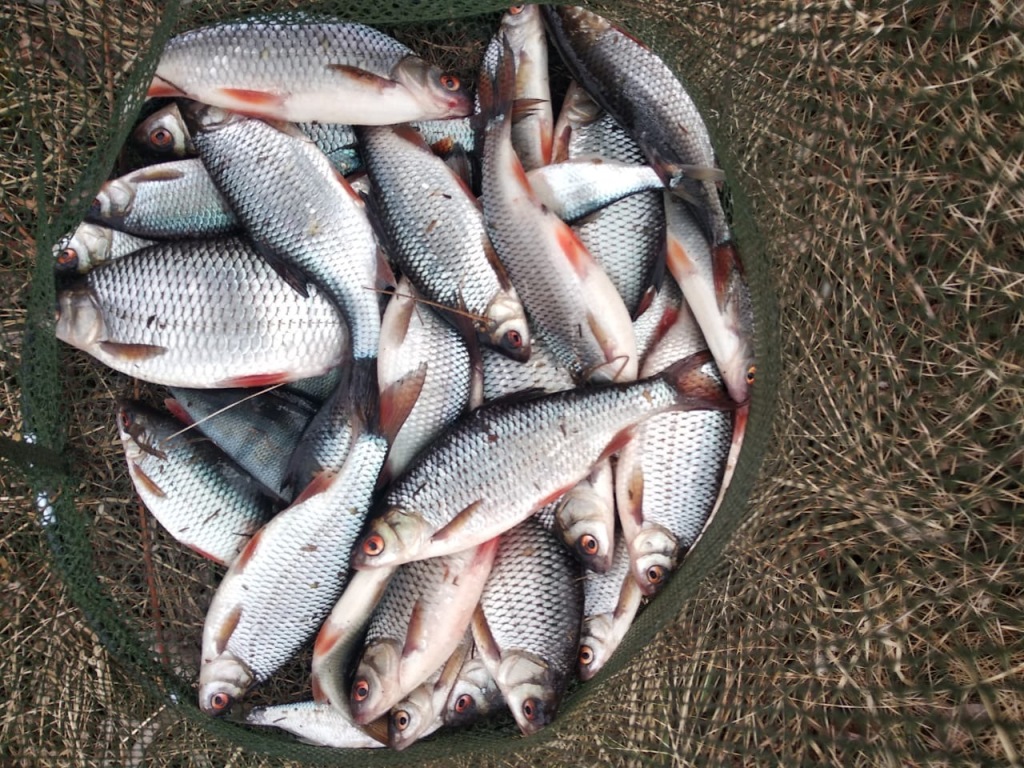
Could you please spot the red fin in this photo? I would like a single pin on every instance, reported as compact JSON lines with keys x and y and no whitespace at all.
{"x":131,"y":352}
{"x":326,"y":639}
{"x":320,"y":483}
{"x":617,"y":443}
{"x":318,"y":693}
{"x":679,"y":262}
{"x":410,"y":134}
{"x":146,"y":481}
{"x":575,"y":251}
{"x":246,"y":554}
{"x":696,"y":389}
{"x":367,"y":78}
{"x":667,"y":320}
{"x":486,"y":645}
{"x":546,"y":143}
{"x":253,"y":98}
{"x":443,"y":146}
{"x":723,"y":259}
{"x":634,"y":508}
{"x":554,"y":496}
{"x":417,"y":634}
{"x":397,"y":401}
{"x":525,"y":107}
{"x":178,"y":411}
{"x":457,"y":524}
{"x":378,"y":729}
{"x":227,"y":628}
{"x":156,"y":173}
{"x":256,"y":380}
{"x":160,"y":88}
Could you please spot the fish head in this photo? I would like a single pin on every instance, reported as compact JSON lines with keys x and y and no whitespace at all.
{"x":520,"y":23}
{"x":653,"y":553}
{"x":134,"y":425}
{"x":439,"y":94}
{"x":412,"y":718}
{"x":587,"y":526}
{"x":474,"y":695}
{"x":203,"y":118}
{"x":390,"y":539}
{"x":737,"y":364}
{"x":531,"y":689}
{"x":164,"y":133}
{"x":114,"y":200}
{"x":82,"y":250}
{"x":596,"y":638}
{"x":222,"y":682}
{"x":375,"y":687}
{"x":79,"y":317}
{"x":506,"y":328}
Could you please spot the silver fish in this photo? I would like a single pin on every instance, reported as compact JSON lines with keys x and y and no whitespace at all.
{"x":667,"y":478}
{"x":580,"y":187}
{"x":433,"y":228}
{"x":717,"y":294}
{"x":259,"y":430}
{"x":527,"y":625}
{"x":165,"y":201}
{"x":523,"y":28}
{"x":657,"y":316}
{"x":304,"y":69}
{"x":544,"y":371}
{"x":314,"y":723}
{"x":150,"y":315}
{"x":420,"y":621}
{"x":412,"y":335}
{"x":91,"y":245}
{"x":567,"y":295}
{"x":461,"y":492}
{"x":196,"y":492}
{"x":610,"y":602}
{"x":284,"y":584}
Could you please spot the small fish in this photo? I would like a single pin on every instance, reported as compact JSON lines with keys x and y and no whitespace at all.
{"x":610,"y":603}
{"x":313,"y":723}
{"x":580,"y":187}
{"x":460,"y":492}
{"x":165,"y":201}
{"x":150,"y":315}
{"x":301,"y":69}
{"x":527,"y":625}
{"x":197,"y":493}
{"x":91,"y":245}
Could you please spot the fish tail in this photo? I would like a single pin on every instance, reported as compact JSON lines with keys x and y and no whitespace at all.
{"x":363,"y":393}
{"x":697,"y":388}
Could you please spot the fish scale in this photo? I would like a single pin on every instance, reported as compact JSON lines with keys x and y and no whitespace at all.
{"x":208,"y":313}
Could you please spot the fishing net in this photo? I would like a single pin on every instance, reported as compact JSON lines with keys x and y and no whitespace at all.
{"x":858,"y":599}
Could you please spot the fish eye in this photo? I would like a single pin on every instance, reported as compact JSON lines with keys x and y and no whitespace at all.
{"x":586,"y":655}
{"x":68,"y":258}
{"x":373,"y":545}
{"x":360,"y":690}
{"x":515,"y":10}
{"x":450,"y":82}
{"x":588,"y":544}
{"x":220,"y":701}
{"x":463,"y":703}
{"x":402,"y":719}
{"x":126,"y":423}
{"x":512,"y":340}
{"x":531,"y":709}
{"x":751,"y":374}
{"x":655,"y":574}
{"x":161,"y":138}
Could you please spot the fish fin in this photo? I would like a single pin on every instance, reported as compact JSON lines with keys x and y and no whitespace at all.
{"x":177,"y":410}
{"x":575,"y":251}
{"x":320,"y":483}
{"x":486,"y":645}
{"x":227,"y":628}
{"x":410,"y":134}
{"x":701,"y":172}
{"x":147,"y":482}
{"x":326,"y":640}
{"x":319,"y":696}
{"x":633,"y":509}
{"x":695,"y":389}
{"x":131,"y":352}
{"x":378,"y":729}
{"x":457,"y":523}
{"x":723,"y":259}
{"x":522,"y":108}
{"x":156,"y":173}
{"x":363,"y":395}
{"x":246,"y":97}
{"x":678,"y":260}
{"x":554,"y":496}
{"x":386,"y":280}
{"x":246,"y":554}
{"x":256,"y":380}
{"x":285,"y":269}
{"x":398,"y":400}
{"x":459,"y":163}
{"x":495,"y":262}
{"x":617,"y":443}
{"x":363,"y":76}
{"x":161,"y":88}
{"x":417,"y":634}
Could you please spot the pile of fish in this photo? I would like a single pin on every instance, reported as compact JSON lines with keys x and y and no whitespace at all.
{"x":434,"y":399}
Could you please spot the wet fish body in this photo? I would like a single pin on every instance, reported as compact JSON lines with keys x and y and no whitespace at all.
{"x":314,"y":723}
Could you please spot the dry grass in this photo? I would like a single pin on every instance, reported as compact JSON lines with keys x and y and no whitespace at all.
{"x":870,"y":612}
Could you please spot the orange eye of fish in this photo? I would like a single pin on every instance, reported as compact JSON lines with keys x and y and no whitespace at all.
{"x":530,"y":709}
{"x":588,"y":544}
{"x":68,"y":258}
{"x":751,"y":374}
{"x":463,"y":703}
{"x":126,"y":423}
{"x":513,"y":340}
{"x":450,"y":82}
{"x":360,"y":690}
{"x":373,"y":545}
{"x":220,"y":701}
{"x":516,"y":9}
{"x":586,"y":655}
{"x":655,"y":574}
{"x":402,"y":720}
{"x":161,"y":138}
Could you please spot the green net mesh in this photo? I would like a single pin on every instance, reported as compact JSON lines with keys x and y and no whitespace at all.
{"x":858,"y":601}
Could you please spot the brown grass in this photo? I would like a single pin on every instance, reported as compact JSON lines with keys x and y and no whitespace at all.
{"x":870,"y":612}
